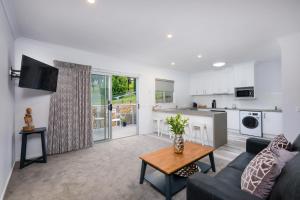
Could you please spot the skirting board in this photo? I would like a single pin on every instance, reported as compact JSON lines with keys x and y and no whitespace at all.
{"x":6,"y":182}
{"x":28,"y":157}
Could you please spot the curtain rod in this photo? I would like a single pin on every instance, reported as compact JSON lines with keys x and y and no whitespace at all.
{"x":112,"y":72}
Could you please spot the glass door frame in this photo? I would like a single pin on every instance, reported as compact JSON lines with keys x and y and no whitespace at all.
{"x":109,"y":75}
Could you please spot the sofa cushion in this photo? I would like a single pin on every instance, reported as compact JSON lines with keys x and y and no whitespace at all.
{"x":296,"y":144}
{"x":241,"y":161}
{"x":231,"y":176}
{"x":288,"y":183}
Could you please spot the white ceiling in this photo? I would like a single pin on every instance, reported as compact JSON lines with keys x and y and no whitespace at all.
{"x":221,"y":30}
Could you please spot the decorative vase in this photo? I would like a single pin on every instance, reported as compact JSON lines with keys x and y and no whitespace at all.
{"x":178,"y":144}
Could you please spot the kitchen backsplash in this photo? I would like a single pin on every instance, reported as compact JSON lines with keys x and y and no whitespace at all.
{"x":268,"y":101}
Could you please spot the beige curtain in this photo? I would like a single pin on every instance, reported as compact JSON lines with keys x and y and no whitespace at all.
{"x":70,"y":124}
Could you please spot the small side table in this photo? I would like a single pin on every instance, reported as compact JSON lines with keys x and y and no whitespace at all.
{"x":42,"y":159}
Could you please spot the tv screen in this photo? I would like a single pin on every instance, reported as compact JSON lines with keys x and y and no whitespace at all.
{"x":37,"y":75}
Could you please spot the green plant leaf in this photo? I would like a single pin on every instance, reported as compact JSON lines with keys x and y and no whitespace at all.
{"x":177,"y":123}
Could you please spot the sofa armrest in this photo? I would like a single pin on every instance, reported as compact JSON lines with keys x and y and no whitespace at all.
{"x":204,"y":187}
{"x":255,"y":145}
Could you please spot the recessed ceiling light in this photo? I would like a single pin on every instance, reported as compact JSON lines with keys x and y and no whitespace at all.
{"x":199,"y":56}
{"x":172,"y":63}
{"x":169,"y":36}
{"x":219,"y":64}
{"x":91,"y":1}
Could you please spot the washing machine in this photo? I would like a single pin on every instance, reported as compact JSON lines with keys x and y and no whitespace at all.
{"x":251,"y":123}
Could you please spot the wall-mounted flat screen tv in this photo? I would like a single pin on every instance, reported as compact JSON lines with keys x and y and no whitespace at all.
{"x":37,"y":75}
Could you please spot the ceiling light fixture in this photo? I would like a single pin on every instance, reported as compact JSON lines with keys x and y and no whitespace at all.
{"x":169,"y":36}
{"x":219,"y":64}
{"x":172,"y":63}
{"x":199,"y":56}
{"x":91,"y":1}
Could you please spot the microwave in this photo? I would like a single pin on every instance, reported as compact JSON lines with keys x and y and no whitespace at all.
{"x":244,"y":92}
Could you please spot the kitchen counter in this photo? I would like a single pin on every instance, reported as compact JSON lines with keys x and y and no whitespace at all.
{"x":247,"y":109}
{"x":215,"y":122}
{"x":190,"y":111}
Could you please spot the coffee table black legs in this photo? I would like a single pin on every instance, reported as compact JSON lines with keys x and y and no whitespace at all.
{"x":143,"y":170}
{"x":168,"y":186}
{"x":212,"y":161}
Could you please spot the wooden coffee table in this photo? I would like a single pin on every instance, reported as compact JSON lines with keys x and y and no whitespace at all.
{"x":166,"y":162}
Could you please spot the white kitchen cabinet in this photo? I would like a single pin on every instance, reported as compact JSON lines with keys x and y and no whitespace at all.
{"x":233,"y":120}
{"x":272,"y":123}
{"x":222,"y":81}
{"x":244,"y":75}
{"x":193,"y":86}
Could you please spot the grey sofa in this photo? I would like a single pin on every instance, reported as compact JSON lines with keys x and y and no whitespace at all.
{"x":226,"y":184}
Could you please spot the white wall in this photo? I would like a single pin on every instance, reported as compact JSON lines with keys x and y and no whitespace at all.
{"x":290,"y":52}
{"x":267,"y":88}
{"x":39,"y":100}
{"x":6,"y":104}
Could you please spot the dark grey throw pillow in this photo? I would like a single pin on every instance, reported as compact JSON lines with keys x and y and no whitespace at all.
{"x":296,"y":144}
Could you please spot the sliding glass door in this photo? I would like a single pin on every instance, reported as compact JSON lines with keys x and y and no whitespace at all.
{"x":124,"y":106}
{"x":100,"y":106}
{"x":114,"y":106}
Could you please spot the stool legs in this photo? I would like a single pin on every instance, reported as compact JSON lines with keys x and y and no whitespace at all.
{"x":158,"y":128}
{"x":205,"y":136}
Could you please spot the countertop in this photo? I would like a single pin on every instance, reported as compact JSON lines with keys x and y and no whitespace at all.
{"x":241,"y":109}
{"x":190,"y":111}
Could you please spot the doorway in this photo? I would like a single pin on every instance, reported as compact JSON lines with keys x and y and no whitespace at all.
{"x":114,"y":106}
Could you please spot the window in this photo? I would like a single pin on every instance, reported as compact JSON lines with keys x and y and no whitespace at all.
{"x":164,"y":90}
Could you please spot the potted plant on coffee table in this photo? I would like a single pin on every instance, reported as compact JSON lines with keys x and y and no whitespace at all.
{"x":177,"y":124}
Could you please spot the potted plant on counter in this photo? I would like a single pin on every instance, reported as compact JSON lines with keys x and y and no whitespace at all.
{"x":177,"y":124}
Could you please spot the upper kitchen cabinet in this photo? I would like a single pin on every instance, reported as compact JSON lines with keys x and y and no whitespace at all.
{"x":201,"y":83}
{"x":222,"y":81}
{"x":244,"y":74}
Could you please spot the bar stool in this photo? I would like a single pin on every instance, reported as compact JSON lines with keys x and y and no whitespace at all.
{"x":158,"y":121}
{"x":199,"y":133}
{"x":166,"y":129}
{"x":188,"y":133}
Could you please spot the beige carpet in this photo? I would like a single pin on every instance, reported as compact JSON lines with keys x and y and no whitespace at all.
{"x":108,"y":171}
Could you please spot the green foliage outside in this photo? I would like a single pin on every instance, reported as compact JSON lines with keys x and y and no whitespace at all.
{"x":119,"y":85}
{"x":177,"y":124}
{"x":123,"y":90}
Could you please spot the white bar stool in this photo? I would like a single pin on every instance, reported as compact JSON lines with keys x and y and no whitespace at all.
{"x":199,"y":133}
{"x":157,"y":128}
{"x":166,"y":129}
{"x":188,"y":133}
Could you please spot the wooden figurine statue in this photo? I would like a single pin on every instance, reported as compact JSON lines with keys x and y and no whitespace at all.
{"x":28,"y":120}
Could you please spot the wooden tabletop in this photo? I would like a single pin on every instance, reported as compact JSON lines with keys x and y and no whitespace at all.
{"x":169,"y":162}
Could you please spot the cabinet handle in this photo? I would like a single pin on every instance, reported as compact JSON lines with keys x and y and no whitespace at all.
{"x":264,"y":115}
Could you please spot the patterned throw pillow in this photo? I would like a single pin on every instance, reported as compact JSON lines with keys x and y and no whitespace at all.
{"x":260,"y":174}
{"x":279,"y":142}
{"x":188,"y":170}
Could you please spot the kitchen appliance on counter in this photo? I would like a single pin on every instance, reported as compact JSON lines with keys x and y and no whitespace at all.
{"x":214,"y":104}
{"x":244,"y":92}
{"x":195,"y":105}
{"x":251,"y":123}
